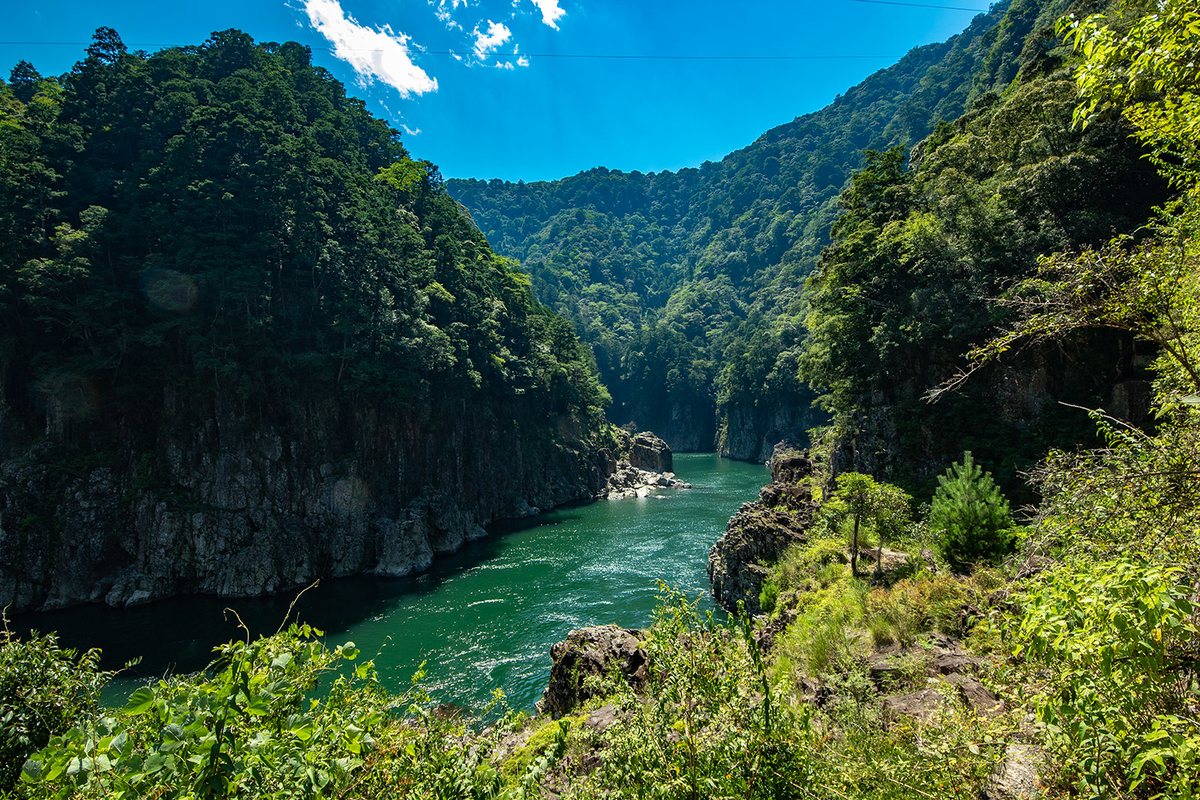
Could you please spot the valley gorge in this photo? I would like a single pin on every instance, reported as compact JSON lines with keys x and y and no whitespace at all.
{"x":321,"y":436}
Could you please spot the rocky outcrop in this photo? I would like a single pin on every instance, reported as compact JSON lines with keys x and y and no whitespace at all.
{"x":188,"y":494}
{"x":650,"y":453}
{"x":760,"y":532}
{"x":644,"y":470}
{"x":592,"y":652}
{"x":629,"y":481}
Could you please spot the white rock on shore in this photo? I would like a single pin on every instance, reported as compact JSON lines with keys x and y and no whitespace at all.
{"x":629,"y":481}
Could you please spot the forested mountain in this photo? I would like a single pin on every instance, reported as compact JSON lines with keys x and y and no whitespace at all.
{"x":921,"y":263}
{"x":235,"y":315}
{"x":689,"y":285}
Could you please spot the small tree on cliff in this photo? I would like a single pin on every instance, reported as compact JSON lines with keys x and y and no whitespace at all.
{"x":970,"y":515}
{"x":891,"y":514}
{"x":882,"y":506}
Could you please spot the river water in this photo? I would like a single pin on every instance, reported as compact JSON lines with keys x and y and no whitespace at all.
{"x":480,"y":619}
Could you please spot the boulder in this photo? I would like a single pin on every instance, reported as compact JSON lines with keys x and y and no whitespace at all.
{"x":596,"y":651}
{"x":650,"y":453}
{"x":885,"y":671}
{"x":945,"y":662}
{"x":1017,"y":775}
{"x":980,"y":699}
{"x":602,"y":717}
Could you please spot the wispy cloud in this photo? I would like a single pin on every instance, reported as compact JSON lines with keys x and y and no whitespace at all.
{"x":375,"y":53}
{"x":410,"y":131}
{"x":551,"y":12}
{"x":522,"y":62}
{"x":486,"y":43}
{"x":444,"y":9}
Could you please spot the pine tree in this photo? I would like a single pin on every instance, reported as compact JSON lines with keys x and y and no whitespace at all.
{"x":970,"y":515}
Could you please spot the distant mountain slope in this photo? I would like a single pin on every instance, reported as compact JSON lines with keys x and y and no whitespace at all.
{"x":688,"y":284}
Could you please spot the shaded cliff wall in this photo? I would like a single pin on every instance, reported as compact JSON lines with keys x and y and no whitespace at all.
{"x":1008,"y":414}
{"x":752,"y":425}
{"x":132,"y":502}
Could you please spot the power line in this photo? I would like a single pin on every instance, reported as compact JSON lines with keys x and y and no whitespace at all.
{"x":464,"y":53}
{"x":635,"y":56}
{"x":922,"y":5}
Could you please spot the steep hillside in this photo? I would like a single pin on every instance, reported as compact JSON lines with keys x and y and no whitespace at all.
{"x":688,"y":284}
{"x":246,"y":341}
{"x":922,"y":266}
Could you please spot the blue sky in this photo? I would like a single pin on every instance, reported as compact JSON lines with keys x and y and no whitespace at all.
{"x":477,"y":88}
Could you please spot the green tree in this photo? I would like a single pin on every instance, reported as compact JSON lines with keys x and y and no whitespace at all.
{"x":892,"y":514}
{"x":883,"y":507}
{"x":1148,"y":71}
{"x":970,"y":515}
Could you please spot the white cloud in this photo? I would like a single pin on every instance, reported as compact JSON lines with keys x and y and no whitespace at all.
{"x":505,"y":65}
{"x":375,"y":53}
{"x":410,"y":131}
{"x":444,"y":10}
{"x":485,"y":43}
{"x":551,"y":13}
{"x":522,"y":62}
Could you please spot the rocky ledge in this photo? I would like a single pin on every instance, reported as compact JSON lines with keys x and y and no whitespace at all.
{"x":759,"y":532}
{"x":645,"y":470}
{"x":592,"y":652}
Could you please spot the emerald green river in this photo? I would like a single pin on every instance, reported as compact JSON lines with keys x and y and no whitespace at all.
{"x":480,"y":619}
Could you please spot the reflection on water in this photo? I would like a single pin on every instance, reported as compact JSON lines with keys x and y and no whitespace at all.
{"x":480,"y":619}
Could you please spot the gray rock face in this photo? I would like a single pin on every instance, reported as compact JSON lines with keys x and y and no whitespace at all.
{"x":687,"y":424}
{"x":199,"y":495}
{"x":650,"y":453}
{"x":760,"y":532}
{"x":751,"y":427}
{"x":644,"y":469}
{"x":588,"y":652}
{"x":922,"y":705}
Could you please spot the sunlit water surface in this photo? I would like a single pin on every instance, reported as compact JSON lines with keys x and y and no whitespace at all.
{"x":480,"y":619}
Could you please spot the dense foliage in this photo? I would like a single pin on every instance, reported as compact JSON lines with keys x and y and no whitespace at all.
{"x":1111,"y":627}
{"x":224,"y":218}
{"x":44,"y":691}
{"x":699,"y":271}
{"x":1092,"y":626}
{"x":920,"y":255}
{"x":720,"y":721}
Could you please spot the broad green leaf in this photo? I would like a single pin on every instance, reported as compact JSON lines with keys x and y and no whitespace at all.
{"x":140,"y":701}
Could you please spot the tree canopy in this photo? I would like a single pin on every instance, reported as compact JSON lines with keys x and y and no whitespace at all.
{"x":224,"y":217}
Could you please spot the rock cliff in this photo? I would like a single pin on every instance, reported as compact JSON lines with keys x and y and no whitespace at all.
{"x":759,"y":532}
{"x":750,"y":425}
{"x":194,"y":495}
{"x":650,"y":453}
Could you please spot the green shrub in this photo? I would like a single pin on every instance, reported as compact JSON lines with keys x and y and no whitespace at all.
{"x":44,"y":690}
{"x":970,"y":516}
{"x":768,"y":596}
{"x":829,"y":630}
{"x":913,"y":607}
{"x":1119,"y":641}
{"x":253,"y":726}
